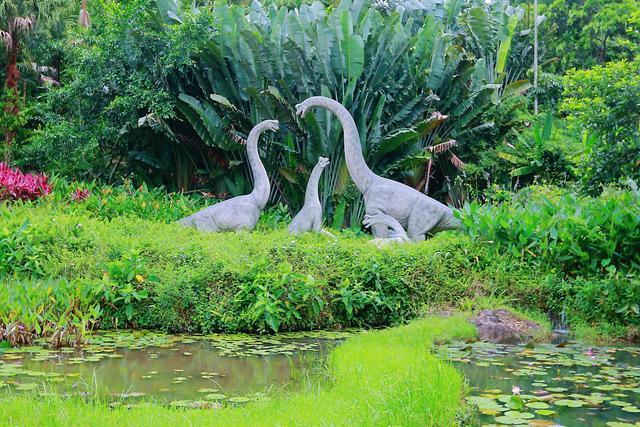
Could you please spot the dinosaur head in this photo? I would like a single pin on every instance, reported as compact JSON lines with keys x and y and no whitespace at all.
{"x":272,"y":125}
{"x":301,"y":109}
{"x":323,"y":162}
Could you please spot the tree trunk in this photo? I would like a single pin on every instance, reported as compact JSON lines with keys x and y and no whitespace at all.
{"x":11,"y":85}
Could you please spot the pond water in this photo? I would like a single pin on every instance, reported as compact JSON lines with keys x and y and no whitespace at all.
{"x":180,"y":370}
{"x":551,"y":385}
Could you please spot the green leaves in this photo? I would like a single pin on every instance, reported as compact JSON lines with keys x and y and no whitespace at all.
{"x":206,"y":121}
{"x":386,"y":70}
{"x":353,"y":56}
{"x":578,"y":234}
{"x":505,"y":45}
{"x":282,"y":298}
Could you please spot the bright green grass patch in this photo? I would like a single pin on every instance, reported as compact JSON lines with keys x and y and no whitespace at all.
{"x":385,"y":377}
{"x":146,"y":274}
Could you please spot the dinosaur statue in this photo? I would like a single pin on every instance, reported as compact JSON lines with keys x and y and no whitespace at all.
{"x":310,"y":216}
{"x":242,"y":212}
{"x":399,"y":235}
{"x":418,"y":213}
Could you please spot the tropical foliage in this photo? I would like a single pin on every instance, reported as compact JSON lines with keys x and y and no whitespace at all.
{"x":15,"y":185}
{"x":602,"y":104}
{"x":177,"y":104}
{"x":578,"y":234}
{"x":584,"y":33}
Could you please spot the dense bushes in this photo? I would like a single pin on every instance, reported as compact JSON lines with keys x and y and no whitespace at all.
{"x":108,"y":202}
{"x":593,"y":244}
{"x":580,"y":235}
{"x":116,"y":256}
{"x":602,"y":105}
{"x":165,"y":92}
{"x":153,"y":275}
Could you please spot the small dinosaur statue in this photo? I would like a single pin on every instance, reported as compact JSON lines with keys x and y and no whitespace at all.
{"x":310,"y":216}
{"x":241,"y":212}
{"x":418,"y":213}
{"x":399,"y":235}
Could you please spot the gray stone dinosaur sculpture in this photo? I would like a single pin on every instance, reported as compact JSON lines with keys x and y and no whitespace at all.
{"x":310,"y":216}
{"x":399,"y":235}
{"x":416,"y":212}
{"x":242,"y":212}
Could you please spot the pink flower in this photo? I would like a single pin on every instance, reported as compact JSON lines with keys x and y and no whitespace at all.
{"x":516,"y":390}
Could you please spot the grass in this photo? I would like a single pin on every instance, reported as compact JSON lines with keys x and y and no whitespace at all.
{"x":384,"y":377}
{"x":604,"y":333}
{"x":196,"y":282}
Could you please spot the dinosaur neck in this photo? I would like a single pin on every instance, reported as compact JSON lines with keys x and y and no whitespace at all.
{"x":261,"y":186}
{"x":311,"y":195}
{"x":358,"y":169}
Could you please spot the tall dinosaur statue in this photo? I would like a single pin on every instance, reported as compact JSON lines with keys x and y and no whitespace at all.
{"x":242,"y":212}
{"x":399,"y":236}
{"x":418,"y":213}
{"x":310,"y":216}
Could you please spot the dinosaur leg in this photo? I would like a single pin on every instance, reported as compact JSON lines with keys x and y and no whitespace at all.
{"x":380,"y":231}
{"x":418,"y":225}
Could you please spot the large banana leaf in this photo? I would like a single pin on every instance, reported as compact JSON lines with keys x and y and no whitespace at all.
{"x":391,"y":69}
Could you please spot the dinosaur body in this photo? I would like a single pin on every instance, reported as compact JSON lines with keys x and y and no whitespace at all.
{"x":242,"y":212}
{"x":310,"y":216}
{"x":416,"y":212}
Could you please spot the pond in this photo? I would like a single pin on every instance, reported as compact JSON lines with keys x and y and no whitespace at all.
{"x":202,"y":371}
{"x":551,"y":385}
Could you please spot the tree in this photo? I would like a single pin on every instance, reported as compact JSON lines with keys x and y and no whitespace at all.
{"x":17,"y":19}
{"x":602,"y":103}
{"x":591,"y":32}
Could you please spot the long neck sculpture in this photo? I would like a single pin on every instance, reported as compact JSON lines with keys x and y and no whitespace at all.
{"x":261,"y":186}
{"x":358,"y":169}
{"x":311,"y":195}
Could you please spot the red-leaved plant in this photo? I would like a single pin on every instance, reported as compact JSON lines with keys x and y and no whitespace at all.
{"x":16,"y":185}
{"x":80,"y":194}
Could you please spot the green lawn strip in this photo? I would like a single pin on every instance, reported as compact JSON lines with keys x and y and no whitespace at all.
{"x":384,"y":377}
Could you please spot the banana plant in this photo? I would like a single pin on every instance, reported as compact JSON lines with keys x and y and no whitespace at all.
{"x":393,"y":69}
{"x":528,"y":155}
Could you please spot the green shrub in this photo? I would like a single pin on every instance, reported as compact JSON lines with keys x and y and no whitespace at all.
{"x":541,"y":249}
{"x":59,"y":309}
{"x":152,"y":275}
{"x":20,"y":251}
{"x":108,"y":202}
{"x":578,"y":235}
{"x":603,"y":103}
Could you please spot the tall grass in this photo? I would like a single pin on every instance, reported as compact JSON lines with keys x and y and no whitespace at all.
{"x":385,"y":377}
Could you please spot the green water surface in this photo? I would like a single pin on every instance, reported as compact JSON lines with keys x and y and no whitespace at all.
{"x":551,"y":385}
{"x":174,"y":369}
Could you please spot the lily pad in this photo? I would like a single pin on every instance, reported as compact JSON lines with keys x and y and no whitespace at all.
{"x":510,"y":420}
{"x":518,"y":414}
{"x":215,"y":396}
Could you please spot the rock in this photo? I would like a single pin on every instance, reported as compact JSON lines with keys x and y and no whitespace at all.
{"x":503,"y":327}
